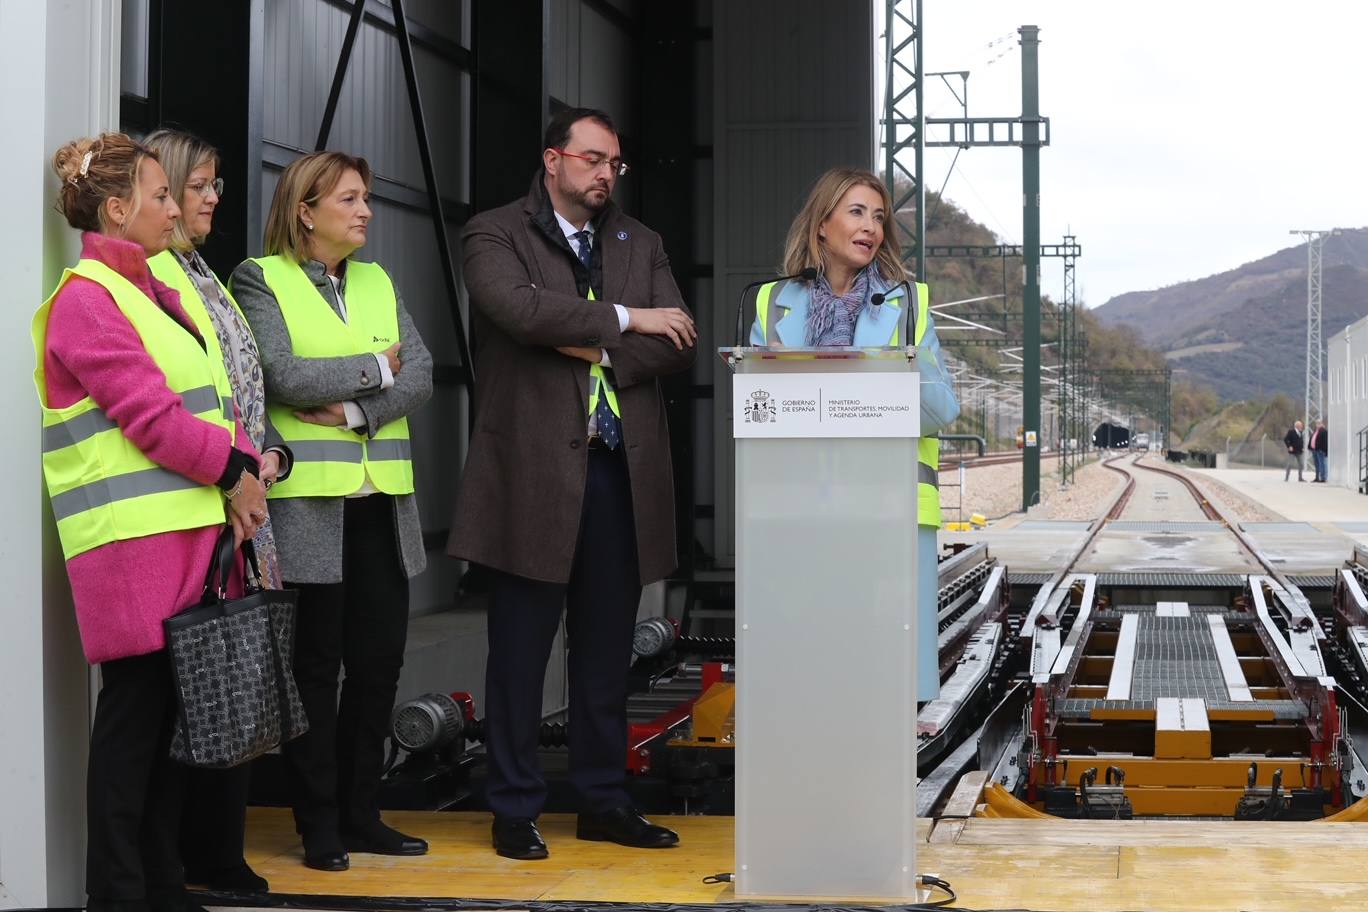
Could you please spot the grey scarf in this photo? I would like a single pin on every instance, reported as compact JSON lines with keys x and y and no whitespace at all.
{"x":831,"y":317}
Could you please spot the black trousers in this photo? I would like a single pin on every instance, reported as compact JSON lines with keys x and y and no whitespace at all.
{"x":600,"y":601}
{"x":134,"y":788}
{"x":359,"y":625}
{"x":214,"y":818}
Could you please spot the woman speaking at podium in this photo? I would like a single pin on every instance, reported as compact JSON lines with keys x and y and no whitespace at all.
{"x":847,"y":287}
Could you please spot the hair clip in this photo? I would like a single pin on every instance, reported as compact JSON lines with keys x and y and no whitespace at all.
{"x":85,"y":163}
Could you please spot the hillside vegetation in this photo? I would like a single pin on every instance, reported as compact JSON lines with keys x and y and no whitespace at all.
{"x":1109,"y":347}
{"x":1242,"y":332}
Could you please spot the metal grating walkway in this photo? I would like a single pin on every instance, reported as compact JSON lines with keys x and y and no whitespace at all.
{"x":1160,"y":580}
{"x":1175,"y":656}
{"x":1135,"y":525}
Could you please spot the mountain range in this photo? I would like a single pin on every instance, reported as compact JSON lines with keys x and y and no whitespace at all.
{"x":1243,"y":332}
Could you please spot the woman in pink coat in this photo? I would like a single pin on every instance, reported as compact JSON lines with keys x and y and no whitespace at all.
{"x":128,"y":576}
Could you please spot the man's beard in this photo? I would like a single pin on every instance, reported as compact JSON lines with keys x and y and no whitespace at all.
{"x":583,"y":198}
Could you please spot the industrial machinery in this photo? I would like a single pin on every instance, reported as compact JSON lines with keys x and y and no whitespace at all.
{"x":1082,"y":693}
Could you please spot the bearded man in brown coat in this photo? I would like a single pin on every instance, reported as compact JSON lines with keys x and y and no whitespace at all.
{"x":567,"y":495}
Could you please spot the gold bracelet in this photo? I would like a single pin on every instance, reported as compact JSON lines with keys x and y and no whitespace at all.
{"x":235,"y":490}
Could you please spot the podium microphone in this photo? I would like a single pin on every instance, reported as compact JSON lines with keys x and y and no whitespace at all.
{"x":909,"y":321}
{"x":807,"y":275}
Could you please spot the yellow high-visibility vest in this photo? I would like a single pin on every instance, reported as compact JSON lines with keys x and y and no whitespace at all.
{"x":334,"y":461}
{"x":598,"y":380}
{"x":170,"y":272}
{"x":103,"y":488}
{"x":928,"y":448}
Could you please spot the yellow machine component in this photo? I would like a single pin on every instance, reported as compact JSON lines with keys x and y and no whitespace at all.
{"x":1354,"y":813}
{"x":1181,"y":729}
{"x":976,"y":521}
{"x":998,"y":802}
{"x":713,"y":719}
{"x":1193,"y":786}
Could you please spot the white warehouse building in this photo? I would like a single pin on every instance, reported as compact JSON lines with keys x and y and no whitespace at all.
{"x":1346,"y":407}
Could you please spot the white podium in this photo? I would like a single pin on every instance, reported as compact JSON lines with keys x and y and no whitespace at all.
{"x":826,"y":573}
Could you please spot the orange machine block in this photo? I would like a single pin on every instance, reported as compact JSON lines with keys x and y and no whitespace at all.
{"x":1181,"y":729}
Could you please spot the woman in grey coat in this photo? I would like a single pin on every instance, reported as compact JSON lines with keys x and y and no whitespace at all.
{"x":344,"y":366}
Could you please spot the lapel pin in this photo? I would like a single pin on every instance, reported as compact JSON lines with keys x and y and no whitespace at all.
{"x":622,"y":235}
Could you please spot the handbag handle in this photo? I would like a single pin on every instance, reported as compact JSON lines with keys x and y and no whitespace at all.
{"x":221,"y":564}
{"x":249,"y":563}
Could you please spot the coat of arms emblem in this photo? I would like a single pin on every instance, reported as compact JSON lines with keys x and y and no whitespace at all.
{"x":760,"y":409}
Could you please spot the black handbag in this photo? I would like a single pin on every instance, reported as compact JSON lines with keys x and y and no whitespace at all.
{"x":232,"y":668}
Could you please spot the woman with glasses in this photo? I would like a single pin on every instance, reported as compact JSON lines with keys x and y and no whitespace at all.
{"x":216,"y":800}
{"x":331,"y":330}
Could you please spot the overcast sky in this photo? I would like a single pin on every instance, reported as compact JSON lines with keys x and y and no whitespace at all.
{"x":1186,"y":138}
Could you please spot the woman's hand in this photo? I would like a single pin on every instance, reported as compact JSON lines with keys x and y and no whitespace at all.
{"x":247,"y":508}
{"x":330,"y":415}
{"x":270,"y":467}
{"x":392,"y":356}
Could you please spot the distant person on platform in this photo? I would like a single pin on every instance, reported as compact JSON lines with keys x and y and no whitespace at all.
{"x":1320,"y":450}
{"x":845,"y":233}
{"x":1293,"y":442}
{"x":568,"y":494}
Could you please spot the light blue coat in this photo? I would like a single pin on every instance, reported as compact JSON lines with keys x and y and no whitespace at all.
{"x":786,"y":325}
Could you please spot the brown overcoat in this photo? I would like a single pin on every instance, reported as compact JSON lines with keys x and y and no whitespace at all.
{"x":519,"y":504}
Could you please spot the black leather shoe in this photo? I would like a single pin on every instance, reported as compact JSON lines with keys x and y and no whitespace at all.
{"x":377,"y":839}
{"x":625,"y":827}
{"x":325,"y":852}
{"x":518,"y":837}
{"x":239,"y":878}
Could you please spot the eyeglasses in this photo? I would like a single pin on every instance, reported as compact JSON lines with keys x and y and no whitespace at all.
{"x":616,"y":165}
{"x":204,"y":187}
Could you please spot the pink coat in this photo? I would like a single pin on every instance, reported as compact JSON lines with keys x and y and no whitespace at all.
{"x":125,"y":589}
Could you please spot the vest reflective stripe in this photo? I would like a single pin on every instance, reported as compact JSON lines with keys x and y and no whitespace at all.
{"x":327,"y":450}
{"x":333,"y":461}
{"x":102,"y":487}
{"x":389,"y":449}
{"x":72,"y":431}
{"x":926,"y":474}
{"x":598,"y":379}
{"x":106,"y":491}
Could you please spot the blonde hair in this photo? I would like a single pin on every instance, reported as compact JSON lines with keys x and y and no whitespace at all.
{"x":180,"y":153}
{"x":804,"y":249}
{"x":307,"y":180}
{"x":95,"y":169}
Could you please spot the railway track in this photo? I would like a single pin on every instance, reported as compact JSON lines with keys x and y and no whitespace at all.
{"x":973,"y":462}
{"x":1106,"y":658}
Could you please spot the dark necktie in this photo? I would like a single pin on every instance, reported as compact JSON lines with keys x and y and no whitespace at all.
{"x":608,"y":427}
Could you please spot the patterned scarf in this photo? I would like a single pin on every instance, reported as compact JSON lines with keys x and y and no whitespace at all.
{"x":242,"y":361}
{"x":831,"y":317}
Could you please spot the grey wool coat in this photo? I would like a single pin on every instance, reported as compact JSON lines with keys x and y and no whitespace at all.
{"x":520,"y":499}
{"x":308,"y":530}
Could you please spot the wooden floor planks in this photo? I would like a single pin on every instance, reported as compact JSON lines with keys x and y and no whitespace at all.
{"x":1097,"y":866}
